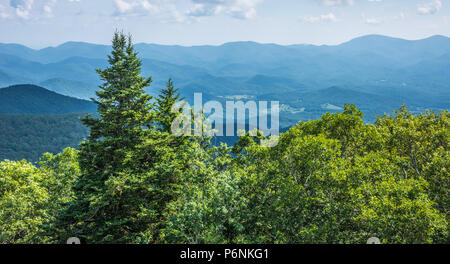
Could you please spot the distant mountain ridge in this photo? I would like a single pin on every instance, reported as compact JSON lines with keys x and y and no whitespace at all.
{"x":32,"y":99}
{"x":415,"y":72}
{"x":377,"y":73}
{"x":203,"y":52}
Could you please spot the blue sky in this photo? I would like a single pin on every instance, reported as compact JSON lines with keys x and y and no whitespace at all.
{"x":41,"y":23}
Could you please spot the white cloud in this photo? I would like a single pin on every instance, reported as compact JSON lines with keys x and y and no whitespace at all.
{"x":22,"y":7}
{"x":200,"y":10}
{"x":3,"y":13}
{"x":429,"y":8}
{"x":336,"y":2}
{"x":401,"y":16}
{"x":123,"y":6}
{"x":164,"y":11}
{"x":241,"y":9}
{"x":136,"y":7}
{"x":48,"y":8}
{"x":32,"y":9}
{"x":373,"y":21}
{"x":322,"y":18}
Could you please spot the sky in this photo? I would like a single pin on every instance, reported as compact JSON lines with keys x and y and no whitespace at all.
{"x":43,"y":23}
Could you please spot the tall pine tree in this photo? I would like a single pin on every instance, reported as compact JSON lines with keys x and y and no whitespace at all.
{"x":128,"y":172}
{"x":166,"y":100}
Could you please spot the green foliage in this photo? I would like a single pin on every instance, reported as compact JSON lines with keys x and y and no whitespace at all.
{"x":128,"y":169}
{"x":22,"y":202}
{"x":28,"y":136}
{"x":31,"y":196}
{"x":332,"y":180}
{"x":392,"y":206}
{"x":165,"y":102}
{"x":210,"y":209}
{"x":62,"y":170}
{"x":390,"y":180}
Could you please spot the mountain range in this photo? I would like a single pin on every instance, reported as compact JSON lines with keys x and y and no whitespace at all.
{"x":46,"y":90}
{"x":378,"y":73}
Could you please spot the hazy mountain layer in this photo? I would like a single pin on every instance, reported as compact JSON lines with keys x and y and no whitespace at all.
{"x":376,"y":72}
{"x":31,"y":99}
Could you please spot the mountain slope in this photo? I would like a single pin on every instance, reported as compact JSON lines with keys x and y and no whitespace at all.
{"x":402,"y":52}
{"x":32,"y":99}
{"x":28,"y":136}
{"x":244,"y":52}
{"x":5,"y":78}
{"x":55,"y":54}
{"x":71,"y":88}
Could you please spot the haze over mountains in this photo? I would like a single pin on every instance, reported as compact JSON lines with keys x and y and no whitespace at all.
{"x":377,"y":73}
{"x":31,"y":99}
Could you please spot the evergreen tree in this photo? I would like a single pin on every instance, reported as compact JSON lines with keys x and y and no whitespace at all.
{"x":166,"y":100}
{"x":120,"y":195}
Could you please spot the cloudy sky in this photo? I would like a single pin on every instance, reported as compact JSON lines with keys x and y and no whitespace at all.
{"x":40,"y":23}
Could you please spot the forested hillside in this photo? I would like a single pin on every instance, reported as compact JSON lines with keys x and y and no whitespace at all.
{"x":31,"y":99}
{"x":29,"y":136}
{"x":34,"y":120}
{"x":336,"y":179}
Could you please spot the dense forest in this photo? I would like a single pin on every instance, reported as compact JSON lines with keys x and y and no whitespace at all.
{"x":34,"y":120}
{"x":331,"y":180}
{"x":28,"y":136}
